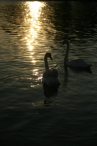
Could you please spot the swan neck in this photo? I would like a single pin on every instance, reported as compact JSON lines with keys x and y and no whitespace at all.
{"x":66,"y":56}
{"x":46,"y":63}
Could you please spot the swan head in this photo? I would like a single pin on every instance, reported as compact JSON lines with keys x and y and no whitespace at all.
{"x":65,"y":42}
{"x":48,"y":55}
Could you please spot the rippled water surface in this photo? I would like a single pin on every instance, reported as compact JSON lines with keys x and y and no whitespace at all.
{"x":27,"y":31}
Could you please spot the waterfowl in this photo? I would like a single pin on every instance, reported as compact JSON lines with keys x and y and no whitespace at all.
{"x":76,"y":63}
{"x":50,"y":76}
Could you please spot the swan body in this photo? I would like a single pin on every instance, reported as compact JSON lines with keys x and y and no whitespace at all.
{"x":51,"y":81}
{"x":50,"y":77}
{"x":77,"y":63}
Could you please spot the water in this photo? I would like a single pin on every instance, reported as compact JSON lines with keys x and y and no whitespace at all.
{"x":27,"y":31}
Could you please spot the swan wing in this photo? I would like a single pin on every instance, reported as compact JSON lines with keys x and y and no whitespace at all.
{"x":54,"y":73}
{"x":78,"y":63}
{"x":47,"y":73}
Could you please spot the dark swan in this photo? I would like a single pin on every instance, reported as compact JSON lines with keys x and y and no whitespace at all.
{"x":50,"y":77}
{"x":76,"y":63}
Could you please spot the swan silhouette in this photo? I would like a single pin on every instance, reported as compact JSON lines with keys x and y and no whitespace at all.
{"x":76,"y":63}
{"x":50,"y":76}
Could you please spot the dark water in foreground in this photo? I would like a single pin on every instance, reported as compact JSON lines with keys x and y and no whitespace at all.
{"x":27,"y":31}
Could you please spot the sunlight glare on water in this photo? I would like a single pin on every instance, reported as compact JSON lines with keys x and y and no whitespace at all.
{"x":31,"y":20}
{"x":33,"y":12}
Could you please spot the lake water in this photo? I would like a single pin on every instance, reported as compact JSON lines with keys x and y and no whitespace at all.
{"x":30,"y":115}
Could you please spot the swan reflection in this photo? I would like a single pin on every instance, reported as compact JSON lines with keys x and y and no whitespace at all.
{"x":50,"y":91}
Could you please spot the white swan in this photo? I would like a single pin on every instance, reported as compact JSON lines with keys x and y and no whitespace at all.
{"x":50,"y":76}
{"x":77,"y":63}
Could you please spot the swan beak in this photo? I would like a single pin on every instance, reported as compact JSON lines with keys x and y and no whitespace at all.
{"x":51,"y":58}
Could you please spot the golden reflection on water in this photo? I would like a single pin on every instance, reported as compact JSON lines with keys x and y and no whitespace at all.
{"x":33,"y":12}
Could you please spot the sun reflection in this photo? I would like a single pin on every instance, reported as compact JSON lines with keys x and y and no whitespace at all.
{"x":33,"y":12}
{"x":32,"y":28}
{"x":34,"y":8}
{"x":36,"y":73}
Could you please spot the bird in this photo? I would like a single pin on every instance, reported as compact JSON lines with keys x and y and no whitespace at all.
{"x":76,"y":63}
{"x":50,"y":76}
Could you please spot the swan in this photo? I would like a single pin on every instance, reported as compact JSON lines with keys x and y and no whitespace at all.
{"x":50,"y":77}
{"x":76,"y":63}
